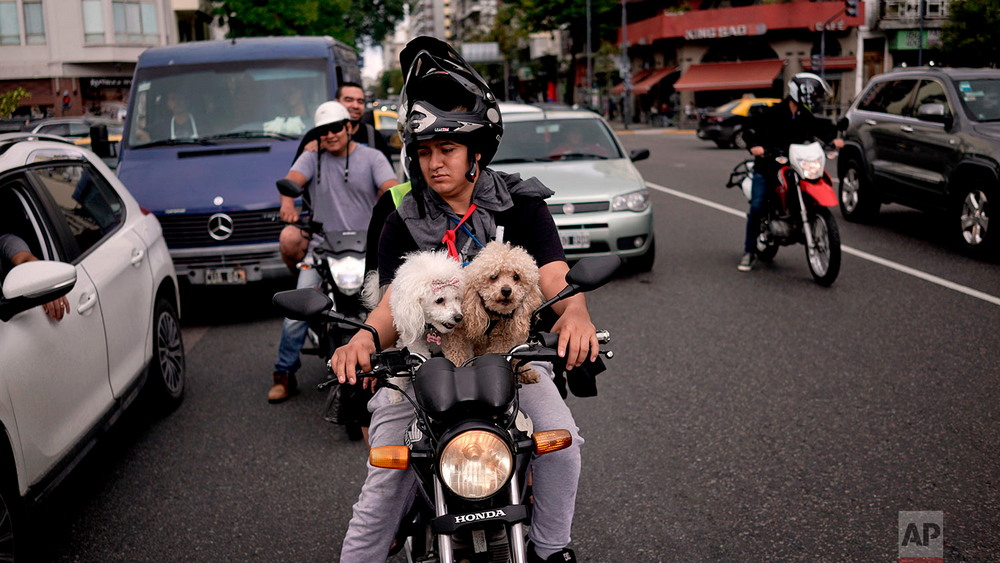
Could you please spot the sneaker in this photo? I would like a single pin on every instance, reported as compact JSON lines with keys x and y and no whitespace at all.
{"x":747,"y":262}
{"x":565,"y":555}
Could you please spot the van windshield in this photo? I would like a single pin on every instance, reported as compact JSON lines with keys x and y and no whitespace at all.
{"x":208,"y":103}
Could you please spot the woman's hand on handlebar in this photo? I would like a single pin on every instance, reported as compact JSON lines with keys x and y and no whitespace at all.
{"x":757,"y":151}
{"x":577,"y":335}
{"x":353,"y":357}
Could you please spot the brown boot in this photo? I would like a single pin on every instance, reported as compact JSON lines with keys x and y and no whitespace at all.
{"x":285,"y":386}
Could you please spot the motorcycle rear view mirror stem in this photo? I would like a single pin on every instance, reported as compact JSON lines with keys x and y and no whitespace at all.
{"x":309,"y":304}
{"x":586,"y":275}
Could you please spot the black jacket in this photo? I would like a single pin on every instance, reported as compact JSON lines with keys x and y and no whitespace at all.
{"x":775,"y":128}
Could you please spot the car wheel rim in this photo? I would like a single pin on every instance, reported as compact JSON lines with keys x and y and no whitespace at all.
{"x":975,"y":218}
{"x":849,"y":185}
{"x":739,"y":141}
{"x":170,"y":346}
{"x":6,"y":532}
{"x":819,"y":255}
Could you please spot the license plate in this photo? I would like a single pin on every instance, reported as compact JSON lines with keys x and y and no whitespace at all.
{"x":575,"y":239}
{"x":225,"y":276}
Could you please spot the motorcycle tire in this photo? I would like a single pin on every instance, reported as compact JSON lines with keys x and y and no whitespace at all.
{"x":824,"y":262}
{"x":767,"y":248}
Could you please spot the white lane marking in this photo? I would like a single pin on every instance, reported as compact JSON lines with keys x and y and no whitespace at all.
{"x":847,"y":249}
{"x":192,"y":335}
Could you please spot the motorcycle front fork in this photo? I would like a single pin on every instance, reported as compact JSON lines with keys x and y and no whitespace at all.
{"x":806,"y":226}
{"x":516,"y":538}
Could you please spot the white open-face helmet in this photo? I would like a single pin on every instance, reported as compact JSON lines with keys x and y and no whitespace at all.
{"x":808,"y":90}
{"x":330,"y":112}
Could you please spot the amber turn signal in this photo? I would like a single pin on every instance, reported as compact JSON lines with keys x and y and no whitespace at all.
{"x":390,"y":457}
{"x":551,"y":441}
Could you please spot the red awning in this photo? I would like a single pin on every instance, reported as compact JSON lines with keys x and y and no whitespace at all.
{"x":646,"y":84}
{"x":746,"y":75}
{"x":639,"y":76}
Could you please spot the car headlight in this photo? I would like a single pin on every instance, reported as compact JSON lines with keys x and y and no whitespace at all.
{"x":475,"y":464}
{"x":632,"y":201}
{"x":811,"y":169}
{"x":348,"y":273}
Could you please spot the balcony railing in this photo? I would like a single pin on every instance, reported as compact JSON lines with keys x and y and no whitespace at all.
{"x":909,"y":10}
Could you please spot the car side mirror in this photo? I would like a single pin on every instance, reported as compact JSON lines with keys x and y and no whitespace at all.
{"x":935,"y":113}
{"x":99,"y":141}
{"x":638,"y":154}
{"x":35,"y":283}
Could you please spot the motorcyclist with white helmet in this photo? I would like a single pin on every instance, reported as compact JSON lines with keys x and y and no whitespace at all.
{"x":794,"y":120}
{"x":451,"y":130}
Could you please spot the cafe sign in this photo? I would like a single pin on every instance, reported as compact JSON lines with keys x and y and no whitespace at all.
{"x":723,"y":31}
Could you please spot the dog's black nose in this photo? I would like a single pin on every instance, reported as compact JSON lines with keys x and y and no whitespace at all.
{"x":458,"y":318}
{"x":506,"y":291}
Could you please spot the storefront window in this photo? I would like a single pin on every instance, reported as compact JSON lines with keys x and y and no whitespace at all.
{"x":34,"y":22}
{"x":9,"y":28}
{"x":135,"y":21}
{"x":93,"y":21}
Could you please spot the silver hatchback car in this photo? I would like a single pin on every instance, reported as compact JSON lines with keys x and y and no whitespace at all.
{"x":601,"y":204}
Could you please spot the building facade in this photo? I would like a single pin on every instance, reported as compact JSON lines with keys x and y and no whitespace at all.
{"x":77,"y":57}
{"x":705,"y":57}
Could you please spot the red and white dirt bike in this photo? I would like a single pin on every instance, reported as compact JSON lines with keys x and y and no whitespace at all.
{"x":798,"y":210}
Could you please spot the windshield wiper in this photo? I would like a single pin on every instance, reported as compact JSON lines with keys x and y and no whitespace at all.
{"x":253,"y":135}
{"x":171,"y":142}
{"x":519,"y":159}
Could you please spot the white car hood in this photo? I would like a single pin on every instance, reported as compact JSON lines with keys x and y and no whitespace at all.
{"x":580,"y":180}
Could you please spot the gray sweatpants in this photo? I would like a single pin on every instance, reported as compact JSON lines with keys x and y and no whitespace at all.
{"x":387,"y":493}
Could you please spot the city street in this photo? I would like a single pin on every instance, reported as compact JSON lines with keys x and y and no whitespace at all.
{"x":745,"y":416}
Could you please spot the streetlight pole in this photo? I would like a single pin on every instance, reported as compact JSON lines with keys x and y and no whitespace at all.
{"x":590,"y":67}
{"x":627,"y":71}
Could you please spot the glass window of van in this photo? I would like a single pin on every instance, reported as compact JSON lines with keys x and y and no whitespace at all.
{"x":226,"y":102}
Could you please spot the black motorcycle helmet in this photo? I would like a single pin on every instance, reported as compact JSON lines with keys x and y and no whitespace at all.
{"x":444,"y":97}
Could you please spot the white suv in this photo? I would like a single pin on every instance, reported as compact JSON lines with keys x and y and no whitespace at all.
{"x":63,"y":382}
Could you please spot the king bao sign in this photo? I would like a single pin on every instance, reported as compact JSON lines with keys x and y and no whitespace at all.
{"x":725,"y":31}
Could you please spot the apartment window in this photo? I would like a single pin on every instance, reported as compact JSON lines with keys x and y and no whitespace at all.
{"x":34,"y":23}
{"x":135,"y":21}
{"x":93,"y":21}
{"x":9,"y":29}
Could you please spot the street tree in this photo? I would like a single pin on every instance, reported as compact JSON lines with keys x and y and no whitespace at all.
{"x":10,"y":100}
{"x":971,"y":37}
{"x":350,"y":21}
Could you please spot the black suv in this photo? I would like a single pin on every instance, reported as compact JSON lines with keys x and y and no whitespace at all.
{"x":927,"y":138}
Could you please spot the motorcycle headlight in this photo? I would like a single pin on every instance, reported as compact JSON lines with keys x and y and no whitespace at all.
{"x":475,"y":464}
{"x":632,"y":201}
{"x":811,"y":169}
{"x":348,"y":273}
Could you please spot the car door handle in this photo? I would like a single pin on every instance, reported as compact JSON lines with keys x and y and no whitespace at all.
{"x":87,"y":303}
{"x":906,"y":129}
{"x":871,"y":122}
{"x":138,"y":255}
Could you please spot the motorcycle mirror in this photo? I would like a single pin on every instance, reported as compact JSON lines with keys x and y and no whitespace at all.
{"x":302,"y":304}
{"x":843,"y":124}
{"x":586,"y":275}
{"x":289,"y":188}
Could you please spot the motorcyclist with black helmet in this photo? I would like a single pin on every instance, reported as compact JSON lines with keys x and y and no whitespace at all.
{"x":794,"y":120}
{"x":451,"y":130}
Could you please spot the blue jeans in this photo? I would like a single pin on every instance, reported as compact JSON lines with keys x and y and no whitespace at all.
{"x":293,"y":333}
{"x":758,"y":195}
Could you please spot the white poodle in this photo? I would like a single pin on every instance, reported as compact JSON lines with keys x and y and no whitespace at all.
{"x":426,"y":304}
{"x":426,"y":300}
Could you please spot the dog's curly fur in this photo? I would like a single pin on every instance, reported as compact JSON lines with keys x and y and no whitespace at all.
{"x":501,"y":287}
{"x":427,"y":292}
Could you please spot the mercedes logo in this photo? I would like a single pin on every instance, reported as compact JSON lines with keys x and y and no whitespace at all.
{"x":220,"y":226}
{"x":569,"y":208}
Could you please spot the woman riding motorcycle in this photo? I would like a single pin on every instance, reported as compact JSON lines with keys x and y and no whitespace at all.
{"x":452,"y":128}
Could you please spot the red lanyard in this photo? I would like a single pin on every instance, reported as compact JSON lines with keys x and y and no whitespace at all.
{"x":449,"y":235}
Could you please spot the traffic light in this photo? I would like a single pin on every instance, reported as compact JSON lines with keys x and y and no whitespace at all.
{"x":66,"y":102}
{"x":851,"y":8}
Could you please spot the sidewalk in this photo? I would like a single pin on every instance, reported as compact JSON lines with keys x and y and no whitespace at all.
{"x":648,"y":129}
